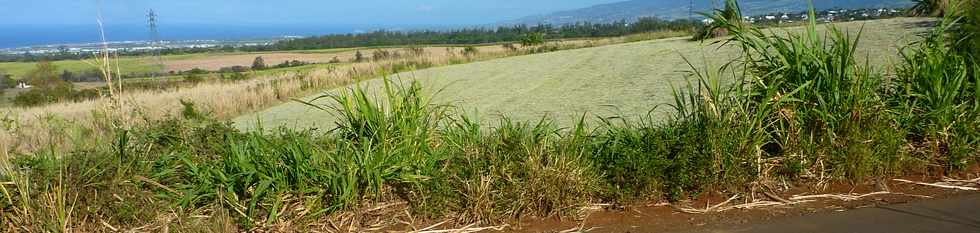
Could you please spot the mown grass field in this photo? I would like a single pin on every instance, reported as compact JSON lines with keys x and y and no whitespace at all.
{"x":616,"y":80}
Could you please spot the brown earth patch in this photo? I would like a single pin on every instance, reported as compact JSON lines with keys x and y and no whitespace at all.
{"x":215,"y":62}
{"x":661,"y":217}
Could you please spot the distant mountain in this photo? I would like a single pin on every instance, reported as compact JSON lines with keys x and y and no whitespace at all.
{"x":680,"y":9}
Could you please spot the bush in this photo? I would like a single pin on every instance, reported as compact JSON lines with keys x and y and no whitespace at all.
{"x":358,"y":56}
{"x":381,"y":54}
{"x":233,"y":77}
{"x":415,"y":51}
{"x":509,"y":47}
{"x":43,"y":95}
{"x":258,"y":63}
{"x":6,"y":81}
{"x":470,"y":51}
{"x":234,"y":69}
{"x":193,"y":78}
{"x":195,"y":71}
{"x":532,"y":39}
{"x":297,"y":63}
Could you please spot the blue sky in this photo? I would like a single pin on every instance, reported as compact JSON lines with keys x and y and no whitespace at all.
{"x":278,"y":12}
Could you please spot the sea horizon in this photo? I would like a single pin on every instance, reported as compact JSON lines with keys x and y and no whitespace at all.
{"x":47,"y":35}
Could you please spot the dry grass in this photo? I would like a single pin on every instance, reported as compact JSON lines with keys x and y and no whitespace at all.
{"x":215,"y":62}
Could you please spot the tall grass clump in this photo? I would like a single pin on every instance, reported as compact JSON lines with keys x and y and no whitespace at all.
{"x":391,"y":135}
{"x":721,"y":21}
{"x":805,"y":105}
{"x":930,"y":7}
{"x":513,"y":169}
{"x":938,"y":94}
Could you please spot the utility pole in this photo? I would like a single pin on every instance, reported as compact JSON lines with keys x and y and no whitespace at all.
{"x":690,"y":13}
{"x":155,"y":45}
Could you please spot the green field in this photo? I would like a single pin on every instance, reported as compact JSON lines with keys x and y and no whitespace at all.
{"x":126,"y":65}
{"x":617,"y":80}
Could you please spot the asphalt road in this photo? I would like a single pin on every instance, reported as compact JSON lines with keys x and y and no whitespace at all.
{"x":953,"y":215}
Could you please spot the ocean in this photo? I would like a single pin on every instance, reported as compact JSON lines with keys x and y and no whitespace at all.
{"x":22,"y":36}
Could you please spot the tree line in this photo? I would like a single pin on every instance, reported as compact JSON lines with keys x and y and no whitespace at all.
{"x":480,"y":35}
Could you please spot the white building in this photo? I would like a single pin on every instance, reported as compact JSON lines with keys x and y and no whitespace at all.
{"x":23,"y":85}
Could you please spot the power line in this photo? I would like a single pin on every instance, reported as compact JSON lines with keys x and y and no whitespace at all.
{"x":690,"y":13}
{"x":155,"y":45}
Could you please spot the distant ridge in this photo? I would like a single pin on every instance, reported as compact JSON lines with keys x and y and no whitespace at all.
{"x":680,"y":9}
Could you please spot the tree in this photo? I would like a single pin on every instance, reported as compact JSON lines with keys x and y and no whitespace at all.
{"x":259,"y":63}
{"x":44,"y":74}
{"x":6,"y":81}
{"x":470,"y":51}
{"x":532,"y":39}
{"x":358,"y":57}
{"x":48,"y":87}
{"x":67,"y":76}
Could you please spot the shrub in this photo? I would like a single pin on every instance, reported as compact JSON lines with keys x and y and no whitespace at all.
{"x":509,"y":46}
{"x":6,"y":81}
{"x":532,"y":39}
{"x":258,"y":63}
{"x":53,"y":93}
{"x":415,"y":51}
{"x":470,"y":51}
{"x":232,"y":76}
{"x":234,"y":69}
{"x":358,"y":56}
{"x":193,"y":78}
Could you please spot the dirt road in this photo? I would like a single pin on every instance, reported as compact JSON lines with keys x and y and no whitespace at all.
{"x":957,"y":214}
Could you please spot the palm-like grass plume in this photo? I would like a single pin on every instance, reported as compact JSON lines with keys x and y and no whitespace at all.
{"x":721,"y":21}
{"x":807,"y":94}
{"x":932,"y":8}
{"x":941,"y":88}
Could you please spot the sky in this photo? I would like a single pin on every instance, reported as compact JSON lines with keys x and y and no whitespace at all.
{"x":21,"y":13}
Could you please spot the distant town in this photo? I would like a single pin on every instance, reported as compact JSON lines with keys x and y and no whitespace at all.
{"x":135,"y":46}
{"x":826,"y":16}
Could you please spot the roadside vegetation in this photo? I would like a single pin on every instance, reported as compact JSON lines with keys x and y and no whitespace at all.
{"x":797,"y":106}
